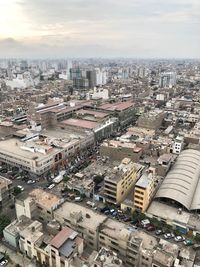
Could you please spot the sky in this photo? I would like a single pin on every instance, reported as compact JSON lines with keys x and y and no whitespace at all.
{"x":100,"y":28}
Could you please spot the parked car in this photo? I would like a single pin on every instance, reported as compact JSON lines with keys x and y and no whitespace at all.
{"x":159,"y":232}
{"x":31,"y":182}
{"x":21,"y":187}
{"x":78,"y":199}
{"x":188,"y":242}
{"x":151,"y":228}
{"x":179,"y":238}
{"x":168,"y":235}
{"x":127,"y":219}
{"x":51,"y":186}
{"x":3,"y":263}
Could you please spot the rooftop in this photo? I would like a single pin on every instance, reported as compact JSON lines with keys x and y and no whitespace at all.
{"x":143,"y":181}
{"x":80,"y":123}
{"x":44,"y":198}
{"x":117,"y":106}
{"x":85,"y":216}
{"x":66,"y":241}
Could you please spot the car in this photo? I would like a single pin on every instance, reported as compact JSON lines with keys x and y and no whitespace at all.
{"x":3,"y":263}
{"x":78,"y":199}
{"x":127,"y":219}
{"x":159,"y":232}
{"x":21,"y":187}
{"x":179,"y":238}
{"x":188,"y":242}
{"x":151,"y":228}
{"x":51,"y":186}
{"x":168,"y":235}
{"x":104,"y":209}
{"x":31,"y":182}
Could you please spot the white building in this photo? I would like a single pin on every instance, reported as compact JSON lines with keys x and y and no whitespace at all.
{"x":178,"y":145}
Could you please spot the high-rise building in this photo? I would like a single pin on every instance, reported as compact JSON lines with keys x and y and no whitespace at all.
{"x":167,"y":79}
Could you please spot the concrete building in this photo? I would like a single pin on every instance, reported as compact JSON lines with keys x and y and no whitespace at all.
{"x":83,"y":220}
{"x":119,"y":181}
{"x":167,"y":79}
{"x":29,"y":237}
{"x":178,"y":145}
{"x":41,"y":153}
{"x":152,"y":119}
{"x":37,"y":204}
{"x":106,"y":257}
{"x":6,"y":190}
{"x":118,"y":150}
{"x":65,"y":247}
{"x":11,"y":233}
{"x":124,"y":111}
{"x":144,"y":190}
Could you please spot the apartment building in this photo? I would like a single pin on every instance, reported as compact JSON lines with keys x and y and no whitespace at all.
{"x":118,"y":150}
{"x":12,"y":231}
{"x":38,"y":204}
{"x":64,"y":248}
{"x":29,"y":237}
{"x":119,"y":180}
{"x":106,"y":257}
{"x":6,"y":189}
{"x":144,"y":189}
{"x":83,"y":220}
{"x":152,"y":119}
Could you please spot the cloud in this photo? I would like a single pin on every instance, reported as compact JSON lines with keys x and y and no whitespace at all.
{"x":138,"y":28}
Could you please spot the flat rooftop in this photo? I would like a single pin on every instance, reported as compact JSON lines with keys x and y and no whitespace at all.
{"x":115,"y":229}
{"x":116,"y":106}
{"x":92,"y":220}
{"x":13,"y":146}
{"x":81,"y":123}
{"x":97,"y":114}
{"x":44,"y":198}
{"x":143,"y":181}
{"x":18,"y":225}
{"x":168,"y":212}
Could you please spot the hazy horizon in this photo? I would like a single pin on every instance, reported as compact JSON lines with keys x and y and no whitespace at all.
{"x":138,"y":29}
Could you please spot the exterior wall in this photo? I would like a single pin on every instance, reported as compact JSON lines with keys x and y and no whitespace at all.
{"x":151,"y":122}
{"x":90,"y":237}
{"x":119,"y":190}
{"x":11,"y":239}
{"x":26,"y":208}
{"x":119,"y":153}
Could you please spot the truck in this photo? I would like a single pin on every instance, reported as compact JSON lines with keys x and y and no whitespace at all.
{"x":58,"y":179}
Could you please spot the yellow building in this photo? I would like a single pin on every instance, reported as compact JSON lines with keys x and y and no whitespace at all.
{"x":144,"y":189}
{"x":120,"y":180}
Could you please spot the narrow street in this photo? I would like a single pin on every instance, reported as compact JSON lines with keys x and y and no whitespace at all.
{"x":16,"y":258}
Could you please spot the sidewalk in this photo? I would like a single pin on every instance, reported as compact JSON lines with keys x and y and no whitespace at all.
{"x":16,"y":257}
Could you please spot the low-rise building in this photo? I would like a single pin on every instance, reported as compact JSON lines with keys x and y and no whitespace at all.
{"x":38,"y":204}
{"x":152,"y":119}
{"x":118,"y":150}
{"x":81,"y":219}
{"x":65,"y":247}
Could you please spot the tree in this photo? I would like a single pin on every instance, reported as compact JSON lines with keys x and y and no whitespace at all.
{"x":16,"y":191}
{"x":4,"y":221}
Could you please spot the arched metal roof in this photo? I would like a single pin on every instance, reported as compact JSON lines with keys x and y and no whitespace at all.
{"x":182,"y":183}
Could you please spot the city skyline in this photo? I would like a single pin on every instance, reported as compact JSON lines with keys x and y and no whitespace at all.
{"x":133,"y":28}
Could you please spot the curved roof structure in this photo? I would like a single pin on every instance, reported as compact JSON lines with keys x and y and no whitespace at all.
{"x":182,"y":183}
